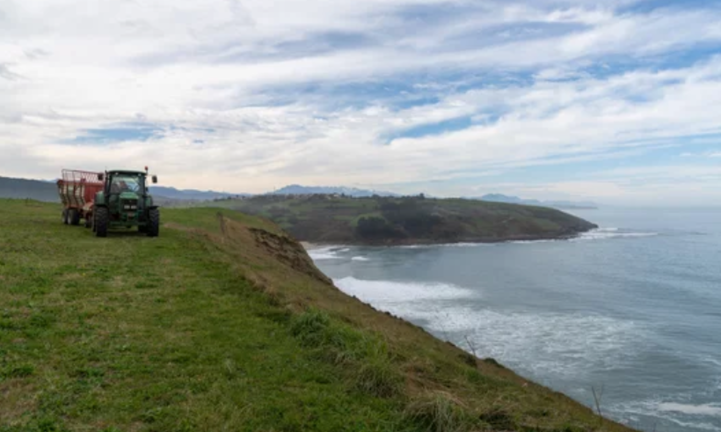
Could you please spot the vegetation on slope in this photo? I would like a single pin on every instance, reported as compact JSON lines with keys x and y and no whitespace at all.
{"x":32,"y":189}
{"x":224,"y":323}
{"x":399,"y":220}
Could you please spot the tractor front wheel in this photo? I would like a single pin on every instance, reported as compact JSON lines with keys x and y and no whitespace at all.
{"x":101,"y":222}
{"x":153,"y":228}
{"x":74,"y":217}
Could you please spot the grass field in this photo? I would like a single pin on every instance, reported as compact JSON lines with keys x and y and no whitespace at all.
{"x":224,"y":324}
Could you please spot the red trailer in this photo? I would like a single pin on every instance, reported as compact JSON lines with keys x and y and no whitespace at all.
{"x":77,"y":191}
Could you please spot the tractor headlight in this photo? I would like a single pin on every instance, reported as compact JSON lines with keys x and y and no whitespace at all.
{"x":127,"y":207}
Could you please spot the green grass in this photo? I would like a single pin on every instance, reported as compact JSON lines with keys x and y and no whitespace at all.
{"x":223,"y":324}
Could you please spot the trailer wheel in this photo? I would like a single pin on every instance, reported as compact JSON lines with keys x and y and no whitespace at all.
{"x":74,"y":216}
{"x":101,"y":222}
{"x":65,"y":216}
{"x":153,"y":228}
{"x":88,"y":221}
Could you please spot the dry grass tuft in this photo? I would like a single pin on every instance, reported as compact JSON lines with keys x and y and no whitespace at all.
{"x":439,"y":411}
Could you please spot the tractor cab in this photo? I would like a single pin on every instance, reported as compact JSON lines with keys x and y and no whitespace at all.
{"x":127,"y":188}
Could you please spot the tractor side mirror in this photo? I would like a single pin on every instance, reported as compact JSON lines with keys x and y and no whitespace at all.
{"x":101,"y":177}
{"x":155,"y":179}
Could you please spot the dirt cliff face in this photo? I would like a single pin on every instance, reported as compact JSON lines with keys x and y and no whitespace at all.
{"x":288,"y":251}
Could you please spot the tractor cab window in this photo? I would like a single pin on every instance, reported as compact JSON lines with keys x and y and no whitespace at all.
{"x":122,"y":184}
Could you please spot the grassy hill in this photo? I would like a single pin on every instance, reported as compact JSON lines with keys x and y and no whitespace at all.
{"x":33,"y":189}
{"x":223,"y":323}
{"x":404,"y":220}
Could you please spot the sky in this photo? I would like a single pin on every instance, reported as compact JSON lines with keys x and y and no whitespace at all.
{"x":617,"y":101}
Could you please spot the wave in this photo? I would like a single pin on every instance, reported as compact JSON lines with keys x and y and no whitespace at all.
{"x":611,"y":233}
{"x":542,"y":344}
{"x":595,"y":234}
{"x":713,"y":410}
{"x":445,"y":245}
{"x":688,"y":416}
{"x":546,"y":345}
{"x":359,"y":258}
{"x":327,"y":253}
{"x":385,"y":294}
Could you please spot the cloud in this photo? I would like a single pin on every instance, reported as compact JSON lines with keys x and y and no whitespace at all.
{"x":6,"y":73}
{"x":417,"y":93}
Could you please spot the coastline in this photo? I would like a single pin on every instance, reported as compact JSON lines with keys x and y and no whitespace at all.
{"x":310,"y":245}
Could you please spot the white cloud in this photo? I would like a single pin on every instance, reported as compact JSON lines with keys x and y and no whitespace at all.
{"x":214,"y":71}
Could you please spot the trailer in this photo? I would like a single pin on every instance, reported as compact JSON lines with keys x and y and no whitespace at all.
{"x":77,"y":191}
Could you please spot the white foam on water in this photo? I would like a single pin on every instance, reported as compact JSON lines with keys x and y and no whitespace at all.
{"x":595,"y":234}
{"x":713,"y":410}
{"x":545,"y":344}
{"x":689,"y":416}
{"x":327,"y":253}
{"x":359,"y":258}
{"x":391,"y":296}
{"x":446,"y":245}
{"x":611,"y":233}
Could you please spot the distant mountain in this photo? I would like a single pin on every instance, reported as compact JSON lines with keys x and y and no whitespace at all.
{"x":310,"y":190}
{"x":39,"y":190}
{"x":568,"y":205}
{"x":190,"y":194}
{"x":43,"y":190}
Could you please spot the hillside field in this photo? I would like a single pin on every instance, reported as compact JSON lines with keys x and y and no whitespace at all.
{"x":223,"y":323}
{"x":407,"y":220}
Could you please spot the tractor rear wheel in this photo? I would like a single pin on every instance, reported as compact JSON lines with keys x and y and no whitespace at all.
{"x":153,"y":228}
{"x":101,"y":222}
{"x":74,"y":216}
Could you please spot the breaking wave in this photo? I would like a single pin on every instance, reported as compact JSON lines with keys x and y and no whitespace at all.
{"x":685,"y":415}
{"x":385,"y":294}
{"x":327,"y":253}
{"x":446,"y":245}
{"x":611,"y":233}
{"x":559,"y":344}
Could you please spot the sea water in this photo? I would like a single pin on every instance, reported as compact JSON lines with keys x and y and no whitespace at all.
{"x":632,"y":310}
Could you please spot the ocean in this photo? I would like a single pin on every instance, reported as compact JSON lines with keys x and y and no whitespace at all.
{"x":631,"y":310}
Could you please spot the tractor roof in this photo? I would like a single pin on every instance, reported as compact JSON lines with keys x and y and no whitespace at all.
{"x":130,"y":172}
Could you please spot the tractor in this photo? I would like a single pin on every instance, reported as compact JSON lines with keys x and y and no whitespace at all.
{"x":124,"y":201}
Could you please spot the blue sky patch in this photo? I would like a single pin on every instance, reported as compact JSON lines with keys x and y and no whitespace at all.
{"x":120,"y":133}
{"x":420,"y":131}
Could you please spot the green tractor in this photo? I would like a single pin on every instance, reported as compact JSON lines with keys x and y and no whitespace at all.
{"x":124,"y":201}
